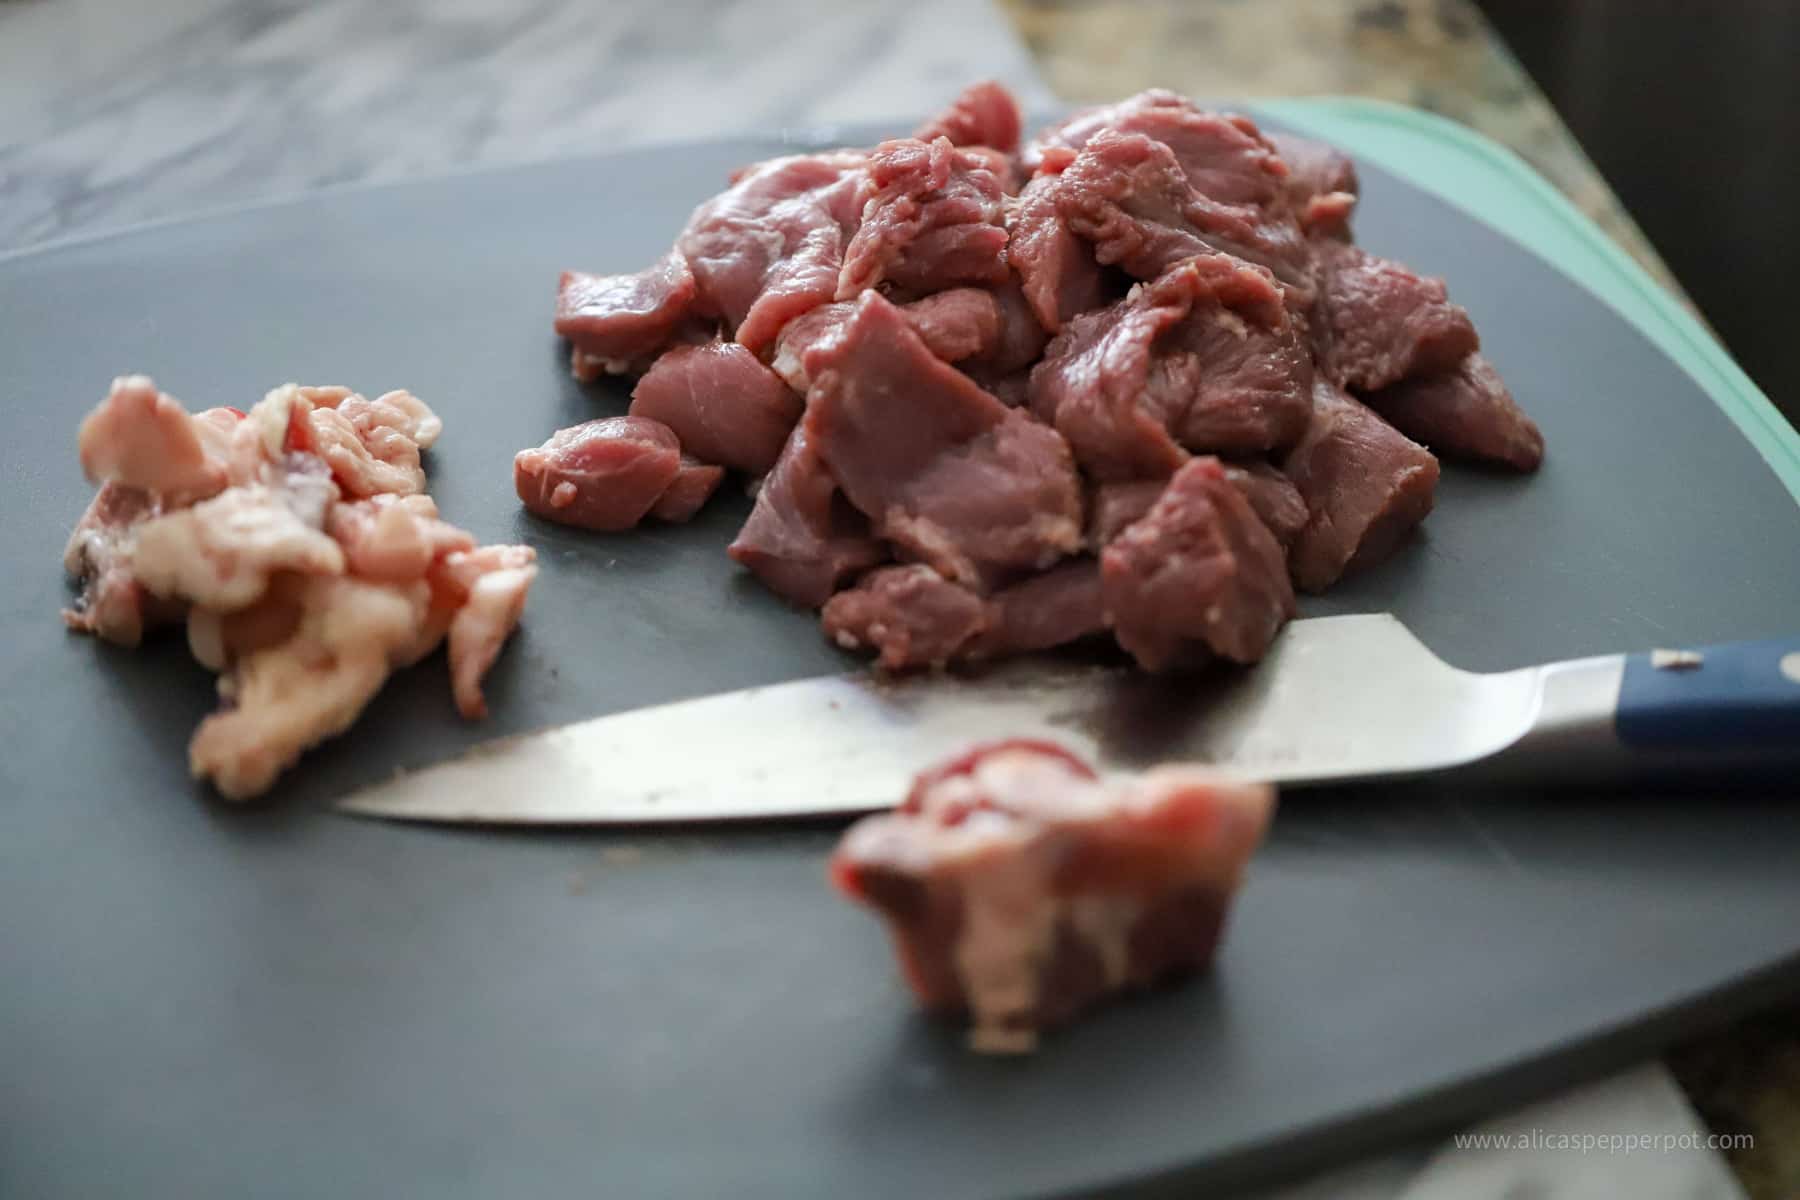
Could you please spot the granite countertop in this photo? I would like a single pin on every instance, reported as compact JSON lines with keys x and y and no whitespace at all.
{"x":114,"y":112}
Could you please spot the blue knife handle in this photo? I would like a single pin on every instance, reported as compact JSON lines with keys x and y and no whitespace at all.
{"x":1735,"y":695}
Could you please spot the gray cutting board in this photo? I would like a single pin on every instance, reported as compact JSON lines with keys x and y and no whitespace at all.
{"x":202,"y":1002}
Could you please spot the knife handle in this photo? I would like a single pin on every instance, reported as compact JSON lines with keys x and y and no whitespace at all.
{"x":1735,"y":696}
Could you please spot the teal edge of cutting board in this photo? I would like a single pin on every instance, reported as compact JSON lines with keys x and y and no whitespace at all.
{"x":1495,"y":186}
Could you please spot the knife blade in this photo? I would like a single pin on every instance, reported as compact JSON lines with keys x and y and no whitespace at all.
{"x":1337,"y":699}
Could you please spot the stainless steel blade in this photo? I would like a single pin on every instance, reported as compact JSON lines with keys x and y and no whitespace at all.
{"x":1337,"y":698}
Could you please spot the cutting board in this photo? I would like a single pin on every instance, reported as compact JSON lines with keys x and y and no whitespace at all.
{"x":201,"y":1000}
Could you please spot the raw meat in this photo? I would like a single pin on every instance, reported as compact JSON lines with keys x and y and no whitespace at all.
{"x":912,"y":615}
{"x":1060,"y":606}
{"x":605,"y":474}
{"x":1221,"y":155}
{"x":1127,"y":194}
{"x":1060,"y":276}
{"x":724,"y":406}
{"x":1001,"y":366}
{"x":941,"y":468}
{"x":393,"y":539}
{"x":1365,"y":485}
{"x":692,"y":487}
{"x":1465,"y":413}
{"x":615,"y":321}
{"x":803,"y":538}
{"x":930,"y":220}
{"x":1272,"y":495}
{"x":1021,"y":889}
{"x":1384,"y":323}
{"x":772,"y":246}
{"x":983,"y":114}
{"x":1204,"y":358}
{"x":1198,"y":575}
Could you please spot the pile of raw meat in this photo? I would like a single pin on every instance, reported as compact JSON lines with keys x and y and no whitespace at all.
{"x":297,"y":544}
{"x":1021,"y":889}
{"x":1132,"y":379}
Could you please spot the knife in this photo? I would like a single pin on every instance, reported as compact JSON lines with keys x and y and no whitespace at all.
{"x":1337,"y":699}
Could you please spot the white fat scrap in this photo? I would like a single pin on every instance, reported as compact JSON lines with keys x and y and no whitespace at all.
{"x":311,"y":686}
{"x":1676,"y":660}
{"x":481,"y":626}
{"x":220,"y":553}
{"x":145,"y":439}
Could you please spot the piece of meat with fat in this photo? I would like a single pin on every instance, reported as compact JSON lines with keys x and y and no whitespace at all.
{"x":688,"y":492}
{"x":1381,"y":323}
{"x":1058,"y":272}
{"x":488,"y":587}
{"x":911,"y":615}
{"x":1366,"y":485}
{"x":393,"y":539}
{"x":143,"y":438}
{"x":112,"y":605}
{"x":803,"y":538}
{"x":1222,"y":155}
{"x":1466,"y":413}
{"x":941,"y":468}
{"x":605,"y":474}
{"x":1127,"y":194}
{"x":983,"y":114}
{"x":1314,"y":168}
{"x":1204,"y":358}
{"x":931,"y":219}
{"x":371,"y":446}
{"x":312,"y":685}
{"x":1198,"y":575}
{"x":220,"y":553}
{"x":772,"y":245}
{"x":1021,"y":889}
{"x":724,"y":405}
{"x":614,"y":322}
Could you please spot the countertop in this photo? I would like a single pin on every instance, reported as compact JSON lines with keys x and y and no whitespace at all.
{"x":113,"y":113}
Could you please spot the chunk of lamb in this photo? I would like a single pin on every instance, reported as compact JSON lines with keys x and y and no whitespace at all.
{"x":803,"y":538}
{"x":911,"y":615}
{"x":142,"y":438}
{"x":1321,"y":184}
{"x":987,"y":330}
{"x":488,"y":587}
{"x":1365,"y":485}
{"x":771,"y":246}
{"x":688,"y":492}
{"x":1204,"y":358}
{"x":605,"y":474}
{"x":1021,"y":889}
{"x":1273,"y":496}
{"x":1222,"y":155}
{"x":1465,"y":413}
{"x":1198,"y":575}
{"x":983,"y":114}
{"x":931,"y":219}
{"x":615,"y":322}
{"x":113,"y":605}
{"x":1127,"y":194}
{"x":312,"y":685}
{"x":1060,"y":276}
{"x":942,"y":469}
{"x":1381,"y":323}
{"x":724,"y":405}
{"x":220,"y":554}
{"x":1043,"y":611}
